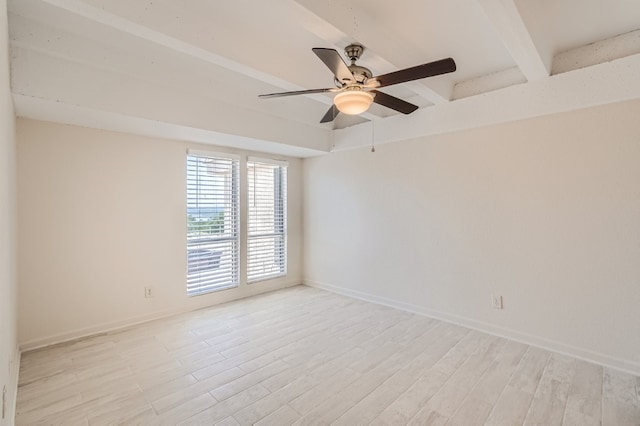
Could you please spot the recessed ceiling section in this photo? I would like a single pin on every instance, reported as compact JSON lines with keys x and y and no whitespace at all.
{"x":265,"y":38}
{"x":562,"y":25}
{"x":415,"y":32}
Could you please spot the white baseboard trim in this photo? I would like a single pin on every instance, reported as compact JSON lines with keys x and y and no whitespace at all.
{"x":102,"y":328}
{"x":107,"y":327}
{"x":624,"y":365}
{"x":15,"y":377}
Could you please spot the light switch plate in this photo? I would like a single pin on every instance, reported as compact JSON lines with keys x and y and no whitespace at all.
{"x":496,"y":302}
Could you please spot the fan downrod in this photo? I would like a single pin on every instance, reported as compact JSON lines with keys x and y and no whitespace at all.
{"x":354,"y":51}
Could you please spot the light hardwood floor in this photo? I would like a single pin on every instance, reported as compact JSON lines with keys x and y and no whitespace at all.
{"x":306,"y":356}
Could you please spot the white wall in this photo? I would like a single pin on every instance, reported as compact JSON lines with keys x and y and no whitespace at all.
{"x":8,"y":292}
{"x":102,"y":215}
{"x":545,"y":212}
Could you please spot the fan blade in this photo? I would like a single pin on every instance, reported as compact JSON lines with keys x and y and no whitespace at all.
{"x":331,"y":114}
{"x":334,"y":62}
{"x":393,"y":102}
{"x":431,"y":69}
{"x":298,"y":92}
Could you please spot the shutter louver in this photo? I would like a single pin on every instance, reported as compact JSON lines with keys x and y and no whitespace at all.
{"x":213,"y":237}
{"x":267,"y":220}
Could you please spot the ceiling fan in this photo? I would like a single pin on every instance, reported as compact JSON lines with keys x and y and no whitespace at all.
{"x":356,"y":87}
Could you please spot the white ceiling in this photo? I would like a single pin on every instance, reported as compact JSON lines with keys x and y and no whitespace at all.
{"x":193,"y":69}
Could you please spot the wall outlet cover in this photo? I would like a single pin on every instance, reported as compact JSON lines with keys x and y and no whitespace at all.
{"x":496,"y":302}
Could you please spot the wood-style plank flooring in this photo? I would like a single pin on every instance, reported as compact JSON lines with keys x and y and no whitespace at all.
{"x":306,"y":356}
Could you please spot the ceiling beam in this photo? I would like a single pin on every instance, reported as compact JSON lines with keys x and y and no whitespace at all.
{"x":487,"y":83}
{"x":82,"y":94}
{"x":533,"y":61}
{"x":66,"y":113}
{"x":595,"y":53}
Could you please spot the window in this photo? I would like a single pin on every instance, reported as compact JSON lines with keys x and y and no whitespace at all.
{"x":267,"y":220}
{"x":213,"y":237}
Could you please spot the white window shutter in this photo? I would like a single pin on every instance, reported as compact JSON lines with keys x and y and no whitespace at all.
{"x":213,"y":237}
{"x":267,"y":219}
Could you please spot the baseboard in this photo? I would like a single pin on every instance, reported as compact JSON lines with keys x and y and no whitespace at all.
{"x":529,"y":339}
{"x":107,"y":327}
{"x":102,"y":328}
{"x":15,"y":377}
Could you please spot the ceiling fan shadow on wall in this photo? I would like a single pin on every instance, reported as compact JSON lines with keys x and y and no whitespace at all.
{"x":356,"y":87}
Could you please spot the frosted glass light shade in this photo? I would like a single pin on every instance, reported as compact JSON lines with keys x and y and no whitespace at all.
{"x":353,"y":102}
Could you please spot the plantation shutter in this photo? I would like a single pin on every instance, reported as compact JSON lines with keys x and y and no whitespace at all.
{"x":267,"y":219}
{"x":213,"y":237}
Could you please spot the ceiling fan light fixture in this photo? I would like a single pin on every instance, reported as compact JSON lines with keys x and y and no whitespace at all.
{"x":353,"y":102}
{"x":356,"y":86}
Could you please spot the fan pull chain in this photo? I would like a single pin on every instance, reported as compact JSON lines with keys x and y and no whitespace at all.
{"x":355,"y":23}
{"x":373,"y":136}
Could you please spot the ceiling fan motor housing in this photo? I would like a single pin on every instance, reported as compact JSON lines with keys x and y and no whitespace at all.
{"x":360,"y":74}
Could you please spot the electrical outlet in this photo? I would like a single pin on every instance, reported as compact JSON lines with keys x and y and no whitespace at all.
{"x":4,"y":401}
{"x":496,"y":301}
{"x":148,"y":292}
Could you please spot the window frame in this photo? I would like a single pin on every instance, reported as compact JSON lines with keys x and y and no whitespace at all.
{"x":281,"y":195}
{"x":193,"y":290}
